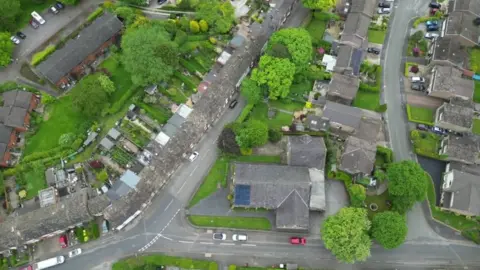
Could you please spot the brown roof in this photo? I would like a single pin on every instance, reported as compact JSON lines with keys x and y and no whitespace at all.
{"x":358,"y":156}
{"x":344,"y":86}
{"x":449,"y":79}
{"x":450,"y":49}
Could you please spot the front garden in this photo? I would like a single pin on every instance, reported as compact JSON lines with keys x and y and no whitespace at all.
{"x":88,"y":232}
{"x":476,"y":92}
{"x":417,"y":45}
{"x":368,"y":95}
{"x":159,"y":261}
{"x":426,"y":144}
{"x":420,"y":115}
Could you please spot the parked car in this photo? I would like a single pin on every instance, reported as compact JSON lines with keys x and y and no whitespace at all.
{"x":63,"y":241}
{"x":432,"y":28}
{"x":161,"y":1}
{"x":417,"y":87}
{"x":384,"y":11}
{"x":28,"y":267}
{"x":15,"y":40}
{"x":373,"y":50}
{"x":37,"y":17}
{"x":434,"y":5}
{"x":239,"y":237}
{"x":193,"y":156}
{"x":75,"y":252}
{"x":34,"y":23}
{"x":432,"y":22}
{"x":219,"y":236}
{"x":53,"y":9}
{"x":438,"y":130}
{"x":417,"y":79}
{"x":423,"y":127}
{"x":59,"y":5}
{"x":431,"y":35}
{"x":233,"y":103}
{"x":476,"y":21}
{"x":298,"y":240}
{"x":21,"y":35}
{"x":384,"y":5}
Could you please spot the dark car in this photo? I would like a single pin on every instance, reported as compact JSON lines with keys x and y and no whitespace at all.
{"x":59,"y":5}
{"x":383,"y":5}
{"x":21,"y":35}
{"x":233,"y":103}
{"x":422,"y":127}
{"x":34,"y":23}
{"x":476,"y":21}
{"x":161,"y":1}
{"x":373,"y":50}
{"x":434,"y":5}
{"x":418,"y":86}
{"x":431,"y":28}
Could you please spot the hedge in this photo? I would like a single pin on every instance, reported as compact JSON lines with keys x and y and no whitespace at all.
{"x":44,"y":154}
{"x":368,"y":88}
{"x":118,"y":105}
{"x":180,"y":37}
{"x":197,"y":37}
{"x":185,"y":80}
{"x":421,"y":152}
{"x":311,"y":133}
{"x":245,"y":113}
{"x":385,"y":152}
{"x":42,"y":55}
{"x":410,"y":118}
{"x":97,"y":13}
{"x":325,"y":16}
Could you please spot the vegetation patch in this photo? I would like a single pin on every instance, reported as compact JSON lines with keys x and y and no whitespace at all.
{"x":476,"y":126}
{"x":367,"y":100}
{"x":316,"y":28}
{"x":150,"y":261}
{"x":38,"y":57}
{"x":475,"y":60}
{"x":280,"y":119}
{"x":217,"y":176}
{"x":376,"y":36}
{"x":33,"y":180}
{"x":426,"y":144}
{"x":420,"y":115}
{"x":380,"y":201}
{"x":248,"y":223}
{"x":476,"y":92}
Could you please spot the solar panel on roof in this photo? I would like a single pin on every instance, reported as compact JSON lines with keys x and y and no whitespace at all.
{"x":357,"y":56}
{"x":242,"y":195}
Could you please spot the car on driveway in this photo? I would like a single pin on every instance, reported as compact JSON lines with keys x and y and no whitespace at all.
{"x":383,"y":11}
{"x":418,"y":87}
{"x":416,"y":79}
{"x":193,"y":156}
{"x":434,"y":5}
{"x":298,"y":240}
{"x":63,"y":241}
{"x":239,"y":237}
{"x":53,"y":9}
{"x":75,"y":252}
{"x":439,"y":131}
{"x":432,"y":22}
{"x":219,"y":236}
{"x":431,"y":35}
{"x":423,"y":127}
{"x":373,"y":50}
{"x":15,"y":40}
{"x":384,"y":5}
{"x":37,"y":17}
{"x":432,"y":28}
{"x":34,"y":23}
{"x":21,"y":35}
{"x":59,"y":5}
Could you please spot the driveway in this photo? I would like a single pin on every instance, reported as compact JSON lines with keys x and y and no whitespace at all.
{"x":435,"y":168}
{"x":421,"y":100}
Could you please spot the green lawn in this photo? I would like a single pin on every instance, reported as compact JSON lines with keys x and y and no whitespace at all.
{"x":120,"y":77}
{"x":35,"y":180}
{"x":367,"y":100}
{"x":299,"y":89}
{"x":138,"y":262}
{"x":258,"y":159}
{"x":288,"y":106}
{"x":216,"y":176}
{"x":260,"y":112}
{"x":426,"y":144}
{"x":476,"y":126}
{"x":376,"y":36}
{"x":248,"y":223}
{"x":420,"y":115}
{"x":476,"y":92}
{"x":316,"y":28}
{"x":475,"y":60}
{"x":380,"y":200}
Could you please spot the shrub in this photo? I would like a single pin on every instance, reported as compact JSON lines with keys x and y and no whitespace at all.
{"x":194,"y":27}
{"x":381,"y":108}
{"x":203,"y":26}
{"x":118,"y":105}
{"x":97,"y":13}
{"x":212,"y":40}
{"x":274,"y":135}
{"x":245,"y":113}
{"x":387,"y":153}
{"x":308,"y":105}
{"x":197,"y":38}
{"x":325,"y":16}
{"x":246,"y":151}
{"x":102,"y":176}
{"x":42,"y":55}
{"x":180,"y":37}
{"x":414,"y":69}
{"x":368,"y":88}
{"x":232,"y":267}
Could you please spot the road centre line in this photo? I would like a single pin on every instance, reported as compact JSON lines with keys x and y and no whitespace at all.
{"x":185,"y":242}
{"x":206,"y":243}
{"x":171,"y":201}
{"x":227,"y":244}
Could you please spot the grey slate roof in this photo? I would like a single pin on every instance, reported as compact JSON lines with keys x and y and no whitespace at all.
{"x":176,"y":120}
{"x":461,"y":23}
{"x":97,"y":204}
{"x":369,"y":129}
{"x":356,"y":29}
{"x":349,"y":59}
{"x":62,"y":61}
{"x":317,"y":123}
{"x":17,"y":98}
{"x":5,"y":133}
{"x":13,"y":116}
{"x":107,"y":144}
{"x":449,"y":79}
{"x":366,"y":7}
{"x":464,"y":193}
{"x":114,"y":133}
{"x":343,"y":86}
{"x":465,"y":149}
{"x":118,"y":190}
{"x":3,"y":149}
{"x":358,"y":156}
{"x":464,"y":6}
{"x":169,"y":129}
{"x":450,"y":49}
{"x":458,"y":112}
{"x":342,"y":114}
{"x":293,"y":213}
{"x":306,"y":151}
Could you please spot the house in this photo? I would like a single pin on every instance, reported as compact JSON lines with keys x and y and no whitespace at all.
{"x":343,"y":88}
{"x":456,"y":115}
{"x":8,"y":139}
{"x":460,"y":149}
{"x":306,"y":151}
{"x":175,"y":122}
{"x":364,"y":7}
{"x":22,"y":99}
{"x":349,"y":60}
{"x":461,"y":193}
{"x":358,"y":156}
{"x":355,"y":32}
{"x":72,"y":61}
{"x":459,"y":23}
{"x":284,"y":189}
{"x":17,"y":105}
{"x":447,"y":82}
{"x":107,"y":144}
{"x":316,"y":123}
{"x":449,"y":51}
{"x":114,"y":134}
{"x":127,"y":183}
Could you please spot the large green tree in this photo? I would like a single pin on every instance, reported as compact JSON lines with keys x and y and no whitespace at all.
{"x":251,"y":134}
{"x":276,"y":73}
{"x":345,"y":234}
{"x":9,"y":10}
{"x":227,"y":141}
{"x":407,"y":184}
{"x":357,"y":194}
{"x":325,"y":5}
{"x":389,"y":229}
{"x":298,"y":43}
{"x":220,"y":15}
{"x":126,"y":13}
{"x":89,"y":96}
{"x":149,"y":54}
{"x":6,"y":49}
{"x":251,"y":91}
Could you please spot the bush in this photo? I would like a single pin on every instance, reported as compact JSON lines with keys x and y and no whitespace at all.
{"x":473,"y":234}
{"x":414,"y":69}
{"x":203,"y":26}
{"x":369,"y":88}
{"x":44,"y":154}
{"x":381,"y":108}
{"x":274,"y":135}
{"x":188,"y":66}
{"x":325,"y":16}
{"x":188,"y":83}
{"x":387,"y":153}
{"x":194,"y":27}
{"x":245,"y":113}
{"x":246,"y":151}
{"x":97,"y":13}
{"x":42,"y":55}
{"x":197,"y":37}
{"x":232,"y":267}
{"x":212,"y":40}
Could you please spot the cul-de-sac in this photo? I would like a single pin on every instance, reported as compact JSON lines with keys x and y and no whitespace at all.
{"x":240,"y":134}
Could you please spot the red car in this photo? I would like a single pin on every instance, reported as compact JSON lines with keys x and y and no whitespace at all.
{"x":63,"y":241}
{"x":29,"y":267}
{"x":298,"y":241}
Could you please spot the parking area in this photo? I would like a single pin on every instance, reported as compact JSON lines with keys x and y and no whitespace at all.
{"x":435,"y":168}
{"x":419,"y":99}
{"x":47,"y":246}
{"x":374,"y":58}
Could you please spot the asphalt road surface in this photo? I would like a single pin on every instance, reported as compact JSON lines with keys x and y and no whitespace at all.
{"x":163,"y":228}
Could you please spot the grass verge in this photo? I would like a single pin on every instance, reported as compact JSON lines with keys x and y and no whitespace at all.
{"x":476,"y":126}
{"x":142,"y":262}
{"x":420,"y":115}
{"x":476,"y":92}
{"x":367,"y":100}
{"x":376,"y":36}
{"x":249,"y":223}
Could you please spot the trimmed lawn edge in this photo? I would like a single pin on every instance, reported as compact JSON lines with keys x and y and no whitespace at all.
{"x":476,"y":126}
{"x":163,"y":260}
{"x":247,"y":223}
{"x":411,"y":119}
{"x":376,"y":36}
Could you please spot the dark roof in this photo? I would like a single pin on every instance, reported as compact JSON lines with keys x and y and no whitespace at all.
{"x":366,"y":7}
{"x":349,"y":59}
{"x":293,"y":213}
{"x":472,"y":6}
{"x":450,"y":49}
{"x":169,"y":129}
{"x":342,"y":114}
{"x":461,"y":23}
{"x":118,"y":190}
{"x":343,"y":86}
{"x":317,"y":123}
{"x":464,"y":149}
{"x":17,"y":98}
{"x":457,"y":112}
{"x":464,"y":193}
{"x":13,"y":116}
{"x":3,"y":149}
{"x":306,"y":151}
{"x":369,"y":129}
{"x":62,"y":61}
{"x":449,"y":79}
{"x":358,"y":156}
{"x":356,"y":30}
{"x":97,"y":204}
{"x":5,"y":133}
{"x":176,"y":120}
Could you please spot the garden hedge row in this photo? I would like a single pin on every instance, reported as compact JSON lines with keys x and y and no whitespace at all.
{"x":387,"y":153}
{"x":191,"y":85}
{"x":245,"y":113}
{"x":97,"y":13}
{"x":42,"y":55}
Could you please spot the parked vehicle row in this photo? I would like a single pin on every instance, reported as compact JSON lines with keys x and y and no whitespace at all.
{"x":220,"y":236}
{"x":437,"y":130}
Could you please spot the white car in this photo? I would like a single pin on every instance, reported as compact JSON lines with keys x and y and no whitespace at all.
{"x":239,"y":237}
{"x":431,"y":35}
{"x":383,"y":10}
{"x":193,"y":156}
{"x":418,"y":80}
{"x":219,"y":236}
{"x":15,"y":40}
{"x":75,"y":252}
{"x":37,"y":17}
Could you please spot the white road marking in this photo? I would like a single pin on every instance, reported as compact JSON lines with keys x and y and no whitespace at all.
{"x":168,"y":205}
{"x":186,"y":242}
{"x":249,"y":245}
{"x":206,"y":243}
{"x":227,"y":244}
{"x":166,"y":238}
{"x":169,"y":222}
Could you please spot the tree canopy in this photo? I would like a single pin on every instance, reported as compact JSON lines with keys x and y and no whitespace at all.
{"x":251,"y":134}
{"x":251,"y":91}
{"x":357,"y":194}
{"x":148,"y":54}
{"x":218,"y":14}
{"x":6,"y":49}
{"x":89,"y":96}
{"x":325,"y":5}
{"x":226,"y":141}
{"x":9,"y":10}
{"x":276,"y":73}
{"x":407,"y":184}
{"x":389,"y":229}
{"x":298,"y":43}
{"x":126,"y":13}
{"x":345,"y":234}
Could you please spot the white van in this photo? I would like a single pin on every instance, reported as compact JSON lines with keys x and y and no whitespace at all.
{"x":37,"y":17}
{"x":239,"y":237}
{"x":418,"y":80}
{"x":49,"y":263}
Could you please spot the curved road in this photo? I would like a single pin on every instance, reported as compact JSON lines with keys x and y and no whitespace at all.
{"x":162,"y":228}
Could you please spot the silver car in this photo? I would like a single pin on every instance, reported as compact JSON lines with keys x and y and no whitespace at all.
{"x":15,"y":40}
{"x":75,"y":252}
{"x":219,"y":236}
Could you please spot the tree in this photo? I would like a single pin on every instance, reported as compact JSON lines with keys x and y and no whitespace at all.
{"x":325,"y":5}
{"x":357,"y":194}
{"x":380,"y":175}
{"x":194,"y":27}
{"x":274,"y":135}
{"x":149,"y":55}
{"x":220,"y":14}
{"x":106,"y":84}
{"x":203,"y":26}
{"x":102,"y":176}
{"x":9,"y":10}
{"x":89,"y":97}
{"x":126,"y":13}
{"x":407,"y":184}
{"x":276,"y":73}
{"x":298,"y":43}
{"x":389,"y":229}
{"x":226,"y":141}
{"x":6,"y":49}
{"x":251,"y":91}
{"x":251,"y":134}
{"x":345,"y":234}
{"x":69,"y":2}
